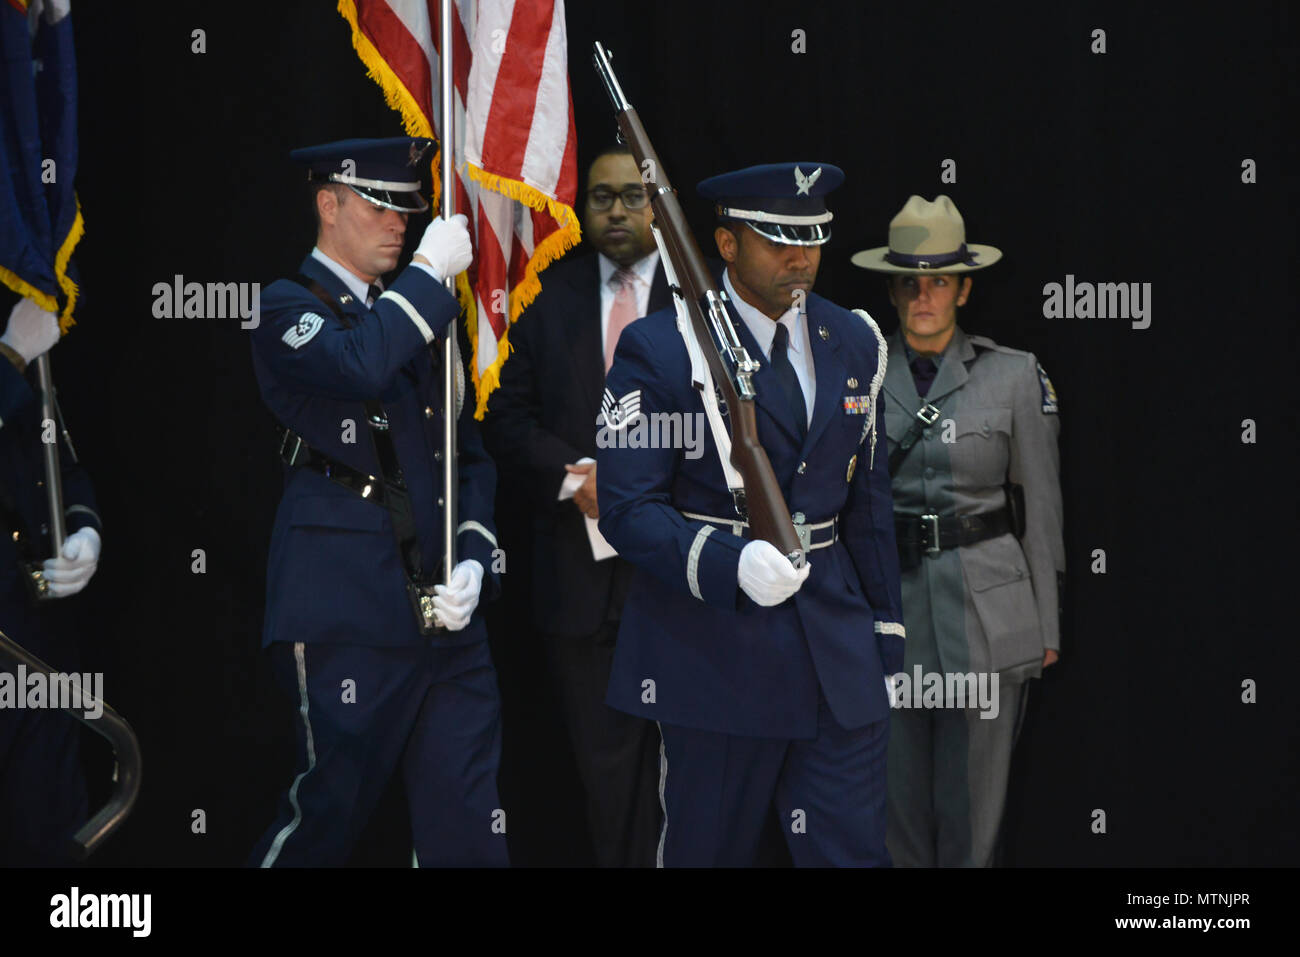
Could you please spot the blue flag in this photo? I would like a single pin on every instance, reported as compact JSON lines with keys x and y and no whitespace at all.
{"x":40,"y":219}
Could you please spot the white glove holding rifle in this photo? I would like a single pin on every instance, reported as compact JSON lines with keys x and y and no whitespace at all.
{"x":767,"y":576}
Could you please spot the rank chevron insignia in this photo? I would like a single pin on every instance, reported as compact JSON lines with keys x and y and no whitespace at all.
{"x":619,"y":412}
{"x":805,"y":183}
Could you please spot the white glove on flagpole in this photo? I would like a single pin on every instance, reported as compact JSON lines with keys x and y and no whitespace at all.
{"x":32,"y":331}
{"x":446,"y":245}
{"x":767,"y":576}
{"x":455,"y":602}
{"x":71,"y":570}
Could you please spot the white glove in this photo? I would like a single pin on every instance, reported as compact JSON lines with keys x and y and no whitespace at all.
{"x":767,"y":576}
{"x":32,"y":331}
{"x":446,"y":245}
{"x":70,"y":572}
{"x":455,"y":603}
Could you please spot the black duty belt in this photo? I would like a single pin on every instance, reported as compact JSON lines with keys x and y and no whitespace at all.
{"x":294,"y":451}
{"x":932,"y":533}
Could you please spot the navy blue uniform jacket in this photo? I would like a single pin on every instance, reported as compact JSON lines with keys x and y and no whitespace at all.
{"x":334,"y":573}
{"x":718,"y":661}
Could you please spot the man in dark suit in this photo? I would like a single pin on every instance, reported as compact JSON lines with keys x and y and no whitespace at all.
{"x":541,"y":426}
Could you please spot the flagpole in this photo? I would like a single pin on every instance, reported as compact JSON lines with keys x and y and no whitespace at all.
{"x":450,"y":348}
{"x":50,"y":452}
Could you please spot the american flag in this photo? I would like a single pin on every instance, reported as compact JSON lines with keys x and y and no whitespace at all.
{"x":516,"y":165}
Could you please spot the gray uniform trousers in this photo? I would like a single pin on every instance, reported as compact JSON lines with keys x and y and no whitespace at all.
{"x":986,"y":610}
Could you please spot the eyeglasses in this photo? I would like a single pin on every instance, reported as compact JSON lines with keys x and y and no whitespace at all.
{"x":634,"y":197}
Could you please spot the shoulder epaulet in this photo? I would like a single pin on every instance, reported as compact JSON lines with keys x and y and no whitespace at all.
{"x":984,"y":342}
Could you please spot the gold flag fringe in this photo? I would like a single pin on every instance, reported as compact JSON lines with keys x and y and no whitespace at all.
{"x":47,"y":300}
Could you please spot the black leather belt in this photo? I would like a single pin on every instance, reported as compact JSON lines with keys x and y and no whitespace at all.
{"x":931,"y":533}
{"x":294,"y":451}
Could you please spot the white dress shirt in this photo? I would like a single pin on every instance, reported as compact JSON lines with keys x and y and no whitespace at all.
{"x":356,"y":285}
{"x":763,"y":330}
{"x":644,"y":272}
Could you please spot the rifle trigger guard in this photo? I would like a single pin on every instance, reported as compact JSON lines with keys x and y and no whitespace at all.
{"x":738,"y":500}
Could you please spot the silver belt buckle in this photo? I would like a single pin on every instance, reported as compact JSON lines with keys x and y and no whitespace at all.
{"x":933,"y":548}
{"x":928,"y":414}
{"x":292,"y":458}
{"x":805,"y":535}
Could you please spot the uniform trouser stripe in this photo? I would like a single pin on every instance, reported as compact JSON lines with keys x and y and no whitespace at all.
{"x":663,"y":805}
{"x":274,"y":851}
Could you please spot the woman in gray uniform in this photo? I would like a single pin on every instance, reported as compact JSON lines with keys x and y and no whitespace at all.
{"x":977,"y":497}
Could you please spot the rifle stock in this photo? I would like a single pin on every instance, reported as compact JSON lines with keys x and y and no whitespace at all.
{"x":729,"y":364}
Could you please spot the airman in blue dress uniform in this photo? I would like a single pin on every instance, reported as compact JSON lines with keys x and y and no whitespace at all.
{"x":347,"y":369}
{"x":767,"y":682}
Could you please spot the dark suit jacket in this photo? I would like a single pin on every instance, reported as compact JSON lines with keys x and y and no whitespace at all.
{"x":542,"y":417}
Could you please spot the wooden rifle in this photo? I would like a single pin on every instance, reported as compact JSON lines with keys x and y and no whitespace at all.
{"x":760,"y":501}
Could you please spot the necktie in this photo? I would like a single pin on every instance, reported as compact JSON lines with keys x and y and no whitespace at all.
{"x":923,"y":372}
{"x":622,"y":314}
{"x":789,"y":381}
{"x":372,"y":294}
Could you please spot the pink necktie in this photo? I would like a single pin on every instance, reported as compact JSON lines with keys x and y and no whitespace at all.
{"x":622,"y":314}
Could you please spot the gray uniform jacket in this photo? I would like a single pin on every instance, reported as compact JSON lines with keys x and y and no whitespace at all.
{"x":991,"y":606}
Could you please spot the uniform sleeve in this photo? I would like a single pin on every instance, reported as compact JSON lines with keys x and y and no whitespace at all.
{"x":633,"y":489}
{"x":80,"y":509}
{"x":513,"y":430}
{"x":870,"y":538}
{"x":1035,"y":465}
{"x":303,"y":344}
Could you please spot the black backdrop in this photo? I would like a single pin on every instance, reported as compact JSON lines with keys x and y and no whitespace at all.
{"x":1122,"y":166}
